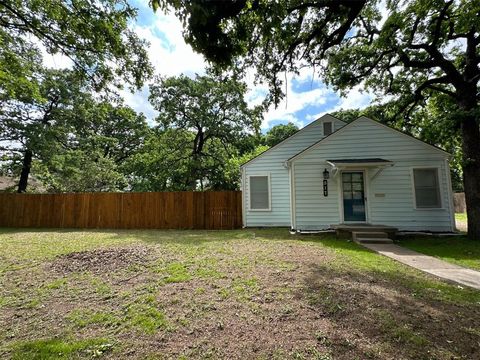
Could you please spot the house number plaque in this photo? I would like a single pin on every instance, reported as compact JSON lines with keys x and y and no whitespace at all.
{"x":325,"y":187}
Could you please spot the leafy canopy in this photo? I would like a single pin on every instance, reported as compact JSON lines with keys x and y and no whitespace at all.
{"x":208,"y":120}
{"x":78,"y":141}
{"x":278,"y":133}
{"x":93,"y":34}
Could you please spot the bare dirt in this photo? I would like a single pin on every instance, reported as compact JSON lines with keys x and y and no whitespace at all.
{"x":100,"y":260}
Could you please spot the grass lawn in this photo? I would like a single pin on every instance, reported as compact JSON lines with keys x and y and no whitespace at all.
{"x":256,"y":294}
{"x":458,"y":250}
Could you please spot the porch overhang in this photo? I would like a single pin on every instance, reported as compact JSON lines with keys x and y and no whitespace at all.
{"x":365,"y":163}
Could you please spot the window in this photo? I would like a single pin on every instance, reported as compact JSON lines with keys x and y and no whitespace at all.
{"x":260,"y":192}
{"x":427,"y":189}
{"x":327,"y":128}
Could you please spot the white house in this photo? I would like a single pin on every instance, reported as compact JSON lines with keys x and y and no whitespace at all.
{"x":363,"y":172}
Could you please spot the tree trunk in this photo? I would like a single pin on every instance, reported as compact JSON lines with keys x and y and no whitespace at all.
{"x":27,"y":164}
{"x":471,"y":172}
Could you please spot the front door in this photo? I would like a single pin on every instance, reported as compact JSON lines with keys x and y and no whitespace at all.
{"x":353,"y":196}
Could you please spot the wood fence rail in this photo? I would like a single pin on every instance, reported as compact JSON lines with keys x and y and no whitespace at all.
{"x":152,"y":210}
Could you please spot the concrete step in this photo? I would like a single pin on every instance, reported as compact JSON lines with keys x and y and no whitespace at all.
{"x":374,"y":240}
{"x":369,"y":234}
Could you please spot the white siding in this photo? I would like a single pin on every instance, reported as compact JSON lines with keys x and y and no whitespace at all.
{"x":366,"y":139}
{"x":313,"y":210}
{"x":272,"y":162}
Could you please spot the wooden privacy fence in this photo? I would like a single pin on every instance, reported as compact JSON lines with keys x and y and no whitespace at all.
{"x":153,"y":210}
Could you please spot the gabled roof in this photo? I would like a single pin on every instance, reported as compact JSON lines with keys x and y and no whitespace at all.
{"x":292,"y":136}
{"x":346,"y":127}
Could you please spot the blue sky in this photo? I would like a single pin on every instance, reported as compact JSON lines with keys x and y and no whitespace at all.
{"x":170,"y":55}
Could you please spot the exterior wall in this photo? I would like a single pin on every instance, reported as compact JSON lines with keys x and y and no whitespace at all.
{"x":390,"y":197}
{"x":272,"y":162}
{"x":313,"y":211}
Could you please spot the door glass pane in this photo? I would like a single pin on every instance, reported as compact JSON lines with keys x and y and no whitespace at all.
{"x":358,"y":209}
{"x":347,"y":195}
{"x":358,"y":195}
{"x":357,"y":186}
{"x":357,"y":177}
{"x":347,"y":177}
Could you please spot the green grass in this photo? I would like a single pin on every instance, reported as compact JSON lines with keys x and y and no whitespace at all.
{"x":85,"y":317}
{"x":461,"y":217}
{"x":54,"y":348}
{"x":457,"y":250}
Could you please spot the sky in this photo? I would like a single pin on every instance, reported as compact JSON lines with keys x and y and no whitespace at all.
{"x":306,"y":99}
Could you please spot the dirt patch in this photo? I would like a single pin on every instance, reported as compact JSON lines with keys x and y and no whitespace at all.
{"x":101,"y":260}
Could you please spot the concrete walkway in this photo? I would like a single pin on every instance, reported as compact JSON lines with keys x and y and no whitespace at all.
{"x":429,"y":264}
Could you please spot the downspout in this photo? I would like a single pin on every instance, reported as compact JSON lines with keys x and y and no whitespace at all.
{"x":450,"y":195}
{"x":244,"y":215}
{"x":291,"y":177}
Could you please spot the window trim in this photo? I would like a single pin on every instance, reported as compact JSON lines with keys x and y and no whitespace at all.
{"x":331,"y":127}
{"x":269,"y":192}
{"x":412,"y":176}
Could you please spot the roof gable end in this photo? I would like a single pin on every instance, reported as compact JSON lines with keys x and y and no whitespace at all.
{"x":357,"y":121}
{"x":326,"y":117}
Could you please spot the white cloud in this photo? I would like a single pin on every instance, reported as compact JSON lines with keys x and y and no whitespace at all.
{"x":294,"y":102}
{"x":169,"y":54}
{"x":138,"y":101}
{"x":354,"y":99}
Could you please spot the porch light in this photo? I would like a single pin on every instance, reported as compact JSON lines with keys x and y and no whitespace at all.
{"x":326,"y":174}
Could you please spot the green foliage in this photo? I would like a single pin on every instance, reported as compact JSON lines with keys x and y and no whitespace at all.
{"x":278,"y":133}
{"x":79,"y":143}
{"x":232,"y":167}
{"x":94,"y":36}
{"x":19,"y":62}
{"x":203,"y":122}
